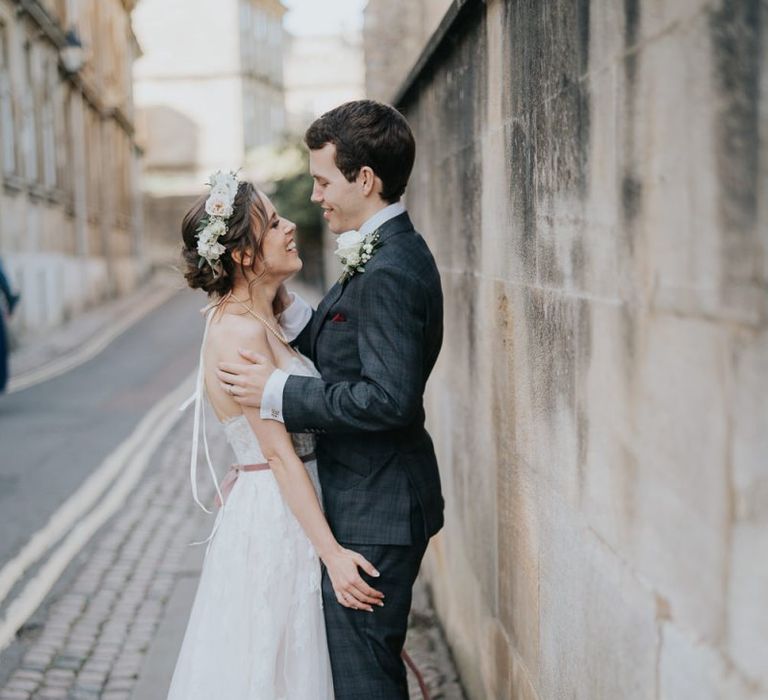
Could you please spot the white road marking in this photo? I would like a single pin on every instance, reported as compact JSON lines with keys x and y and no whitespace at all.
{"x":89,"y":349}
{"x":124,"y":467}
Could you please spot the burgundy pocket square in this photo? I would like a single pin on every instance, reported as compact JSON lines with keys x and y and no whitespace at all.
{"x":339,"y":318}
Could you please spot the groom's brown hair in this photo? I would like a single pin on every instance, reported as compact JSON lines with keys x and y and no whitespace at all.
{"x":369,"y":133}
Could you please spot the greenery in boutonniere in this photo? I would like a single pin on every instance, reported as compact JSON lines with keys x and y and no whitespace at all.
{"x":354,"y":251}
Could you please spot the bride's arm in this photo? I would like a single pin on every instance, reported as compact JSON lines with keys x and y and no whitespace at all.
{"x":295,"y":319}
{"x":299,"y":493}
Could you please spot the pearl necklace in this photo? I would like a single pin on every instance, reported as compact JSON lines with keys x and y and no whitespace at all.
{"x":277,"y":333}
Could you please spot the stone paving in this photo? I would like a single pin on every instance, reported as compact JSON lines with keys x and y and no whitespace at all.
{"x":92,"y":643}
{"x":95,"y":632}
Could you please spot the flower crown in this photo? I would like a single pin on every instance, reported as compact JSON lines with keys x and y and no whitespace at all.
{"x":218,"y":207}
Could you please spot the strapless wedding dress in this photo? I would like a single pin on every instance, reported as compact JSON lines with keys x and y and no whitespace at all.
{"x":256,"y":630}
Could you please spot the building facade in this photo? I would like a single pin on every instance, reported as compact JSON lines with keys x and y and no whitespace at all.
{"x":322,"y":71}
{"x":209,"y":95}
{"x":70,"y":211}
{"x":592,"y":179}
{"x":209,"y":87}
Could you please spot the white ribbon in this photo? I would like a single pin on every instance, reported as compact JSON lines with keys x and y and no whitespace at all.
{"x":197,"y":398}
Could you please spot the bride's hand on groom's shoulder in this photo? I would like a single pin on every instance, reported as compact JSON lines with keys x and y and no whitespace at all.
{"x":350,"y":588}
{"x":282,"y":300}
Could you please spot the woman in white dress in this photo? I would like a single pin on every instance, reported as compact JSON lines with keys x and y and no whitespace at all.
{"x":256,"y":630}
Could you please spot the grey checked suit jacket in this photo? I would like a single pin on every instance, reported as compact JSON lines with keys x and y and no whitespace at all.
{"x":376,"y":461}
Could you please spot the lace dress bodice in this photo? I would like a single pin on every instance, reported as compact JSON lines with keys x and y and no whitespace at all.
{"x":242,"y":439}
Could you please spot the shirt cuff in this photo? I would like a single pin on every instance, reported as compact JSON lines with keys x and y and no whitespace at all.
{"x":272,"y":400}
{"x":295,"y":316}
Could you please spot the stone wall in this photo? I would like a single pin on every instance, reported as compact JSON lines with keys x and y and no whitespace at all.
{"x":394,"y":34}
{"x":592,"y":177}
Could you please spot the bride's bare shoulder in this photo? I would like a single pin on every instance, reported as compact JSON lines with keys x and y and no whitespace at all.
{"x":230,"y":331}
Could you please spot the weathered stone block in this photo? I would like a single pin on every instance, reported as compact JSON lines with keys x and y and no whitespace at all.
{"x":681,"y":507}
{"x":748,"y":603}
{"x":688,"y":669}
{"x":598,"y":636}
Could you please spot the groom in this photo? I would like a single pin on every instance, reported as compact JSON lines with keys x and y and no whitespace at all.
{"x":374,"y":338}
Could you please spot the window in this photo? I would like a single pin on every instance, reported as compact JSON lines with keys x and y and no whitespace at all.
{"x":64,"y":160}
{"x":48,"y":126}
{"x":7,"y":121}
{"x":93,"y":143}
{"x":31,"y":119}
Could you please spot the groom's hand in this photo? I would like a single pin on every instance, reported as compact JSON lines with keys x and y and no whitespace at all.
{"x":245,"y":382}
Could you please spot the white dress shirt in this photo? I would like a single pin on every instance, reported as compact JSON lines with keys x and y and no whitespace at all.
{"x":297,"y":314}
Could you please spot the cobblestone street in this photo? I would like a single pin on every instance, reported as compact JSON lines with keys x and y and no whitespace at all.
{"x":91,"y":637}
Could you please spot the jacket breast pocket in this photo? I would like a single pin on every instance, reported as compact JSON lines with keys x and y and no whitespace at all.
{"x":338,"y":322}
{"x":337,"y":349}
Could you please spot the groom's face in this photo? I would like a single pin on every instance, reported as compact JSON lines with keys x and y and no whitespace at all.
{"x":343,"y":202}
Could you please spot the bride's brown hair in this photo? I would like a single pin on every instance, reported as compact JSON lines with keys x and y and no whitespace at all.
{"x":245,"y":233}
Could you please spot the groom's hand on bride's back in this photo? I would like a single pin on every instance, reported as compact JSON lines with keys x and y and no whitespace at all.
{"x":245,"y":382}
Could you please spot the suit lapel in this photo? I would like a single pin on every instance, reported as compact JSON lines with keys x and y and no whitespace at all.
{"x":322,"y":311}
{"x":387,"y":230}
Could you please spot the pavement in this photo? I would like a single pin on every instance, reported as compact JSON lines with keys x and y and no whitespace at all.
{"x":38,"y":357}
{"x":112,"y":625}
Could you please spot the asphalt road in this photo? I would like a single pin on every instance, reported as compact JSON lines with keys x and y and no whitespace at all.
{"x":53,"y":435}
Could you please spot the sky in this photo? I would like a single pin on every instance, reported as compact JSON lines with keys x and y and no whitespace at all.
{"x":323,"y":16}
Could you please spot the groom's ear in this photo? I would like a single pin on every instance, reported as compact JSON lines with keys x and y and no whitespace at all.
{"x":369,"y":181}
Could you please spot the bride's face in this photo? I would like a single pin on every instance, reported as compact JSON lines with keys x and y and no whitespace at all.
{"x":278,"y":245}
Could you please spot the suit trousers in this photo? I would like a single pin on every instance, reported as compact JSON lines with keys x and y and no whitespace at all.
{"x":365,"y":646}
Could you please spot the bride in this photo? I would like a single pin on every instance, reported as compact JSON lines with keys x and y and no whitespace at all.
{"x":256,"y":630}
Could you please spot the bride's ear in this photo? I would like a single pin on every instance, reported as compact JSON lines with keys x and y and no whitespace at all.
{"x":242,"y":257}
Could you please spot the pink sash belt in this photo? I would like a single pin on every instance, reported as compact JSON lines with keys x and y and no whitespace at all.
{"x":234,"y":471}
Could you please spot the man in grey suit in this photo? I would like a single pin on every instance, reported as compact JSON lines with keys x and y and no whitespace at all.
{"x":374,"y":338}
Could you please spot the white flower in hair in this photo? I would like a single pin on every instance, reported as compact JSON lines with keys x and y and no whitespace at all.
{"x":223,"y":190}
{"x":219,"y":206}
{"x":210,"y":250}
{"x":214,"y":229}
{"x":221,"y":182}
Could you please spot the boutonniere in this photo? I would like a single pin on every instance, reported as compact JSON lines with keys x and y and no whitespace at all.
{"x":355,"y":250}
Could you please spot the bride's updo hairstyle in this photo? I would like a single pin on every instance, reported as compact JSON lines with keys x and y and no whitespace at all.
{"x":245,"y":232}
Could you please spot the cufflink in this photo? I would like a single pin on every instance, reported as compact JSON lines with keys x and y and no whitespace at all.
{"x":275,"y":413}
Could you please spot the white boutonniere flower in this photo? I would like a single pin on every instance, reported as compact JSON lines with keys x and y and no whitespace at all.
{"x":355,"y":250}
